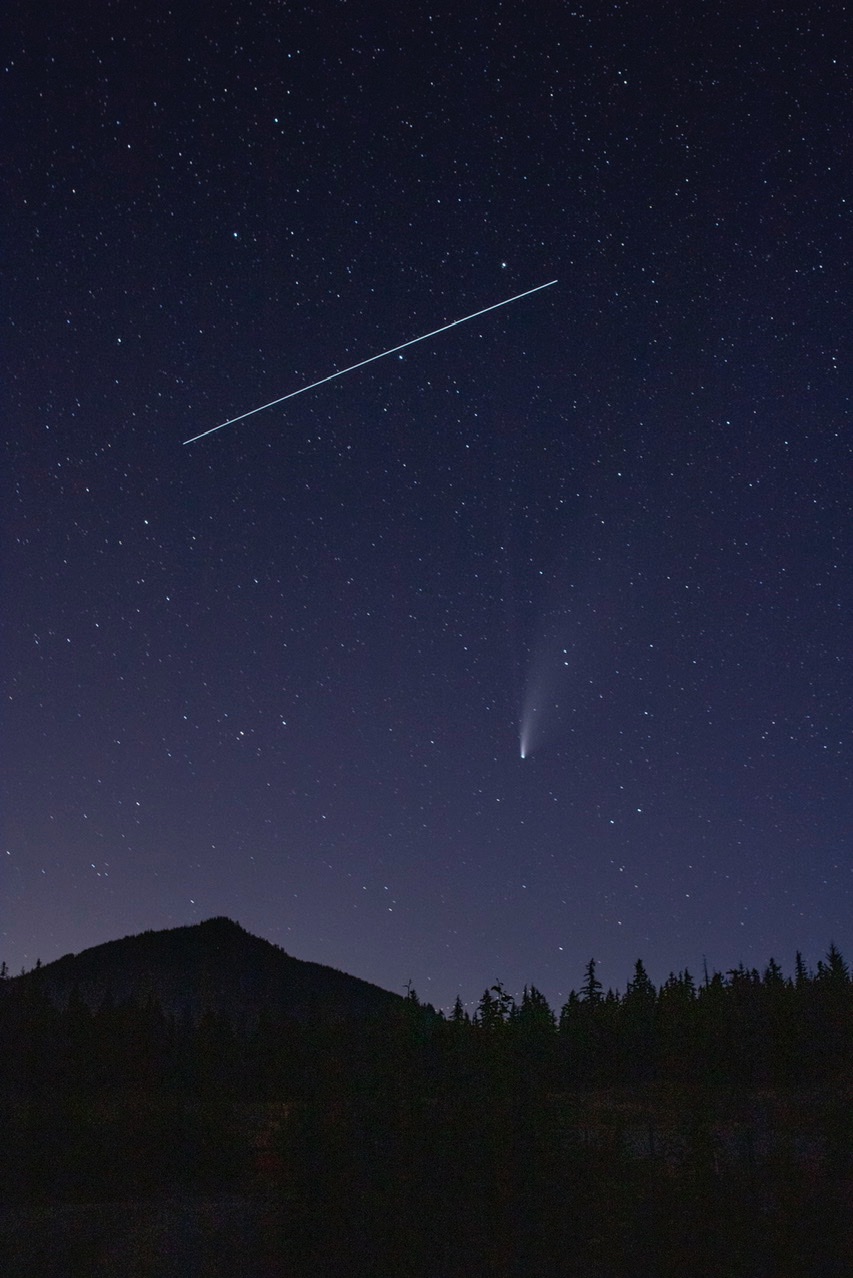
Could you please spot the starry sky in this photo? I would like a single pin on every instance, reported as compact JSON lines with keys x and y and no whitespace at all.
{"x":286,"y":673}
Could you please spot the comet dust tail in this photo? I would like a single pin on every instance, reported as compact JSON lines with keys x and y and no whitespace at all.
{"x":549,"y":691}
{"x":341,"y":372}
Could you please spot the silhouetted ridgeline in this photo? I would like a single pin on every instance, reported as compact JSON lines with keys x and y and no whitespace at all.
{"x":703,"y":1129}
{"x":213,"y":966}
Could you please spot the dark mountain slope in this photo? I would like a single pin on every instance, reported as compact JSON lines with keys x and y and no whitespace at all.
{"x":212,"y":966}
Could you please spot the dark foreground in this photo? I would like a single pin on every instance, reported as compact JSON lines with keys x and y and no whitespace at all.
{"x":601,"y":1195}
{"x":254,"y":1238}
{"x":672,"y":1133}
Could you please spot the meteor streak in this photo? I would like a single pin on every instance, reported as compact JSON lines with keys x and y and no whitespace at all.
{"x":370,"y":360}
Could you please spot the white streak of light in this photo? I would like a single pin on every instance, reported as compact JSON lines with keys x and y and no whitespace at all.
{"x":370,"y":360}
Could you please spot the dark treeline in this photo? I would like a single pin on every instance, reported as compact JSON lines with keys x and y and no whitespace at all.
{"x":697,"y":1127}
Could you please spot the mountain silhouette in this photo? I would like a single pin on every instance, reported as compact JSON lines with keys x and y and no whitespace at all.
{"x":214,"y":966}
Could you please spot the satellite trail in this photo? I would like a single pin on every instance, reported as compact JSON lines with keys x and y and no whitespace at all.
{"x":361,"y":363}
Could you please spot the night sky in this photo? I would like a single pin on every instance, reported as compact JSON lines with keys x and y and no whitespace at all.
{"x":286,"y":673}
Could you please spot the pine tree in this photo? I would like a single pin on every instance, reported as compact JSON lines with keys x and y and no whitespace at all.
{"x":641,"y":989}
{"x":534,"y":1011}
{"x":592,"y":987}
{"x":459,"y":1016}
{"x":801,"y":975}
{"x":834,"y":971}
{"x":495,"y":1007}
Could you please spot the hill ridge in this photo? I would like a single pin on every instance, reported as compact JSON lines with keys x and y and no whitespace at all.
{"x":211,"y":966}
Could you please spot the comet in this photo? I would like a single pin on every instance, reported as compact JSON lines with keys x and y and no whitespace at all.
{"x":342,"y":372}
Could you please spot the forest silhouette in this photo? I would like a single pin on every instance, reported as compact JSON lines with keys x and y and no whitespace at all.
{"x":701,"y":1128}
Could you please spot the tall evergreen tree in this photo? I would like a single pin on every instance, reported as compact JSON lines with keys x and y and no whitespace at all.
{"x":641,"y":990}
{"x":834,"y":971}
{"x":495,"y":1006}
{"x":592,"y":987}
